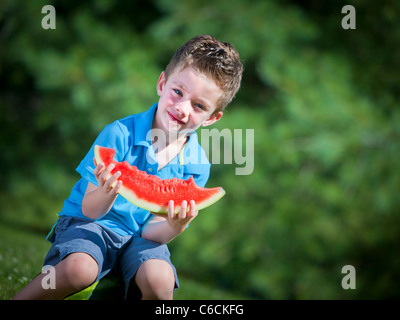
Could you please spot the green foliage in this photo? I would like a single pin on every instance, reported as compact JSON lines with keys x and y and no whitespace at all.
{"x":21,"y":258}
{"x":322,"y":101}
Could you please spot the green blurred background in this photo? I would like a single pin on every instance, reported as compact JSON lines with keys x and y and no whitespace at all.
{"x":323,"y":102}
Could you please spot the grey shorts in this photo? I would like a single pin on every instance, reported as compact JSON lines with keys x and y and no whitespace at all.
{"x":123,"y":254}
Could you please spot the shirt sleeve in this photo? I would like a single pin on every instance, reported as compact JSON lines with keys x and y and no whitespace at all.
{"x":112,"y":136}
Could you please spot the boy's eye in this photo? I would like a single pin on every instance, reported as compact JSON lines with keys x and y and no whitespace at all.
{"x":178,"y":92}
{"x":198,"y":105}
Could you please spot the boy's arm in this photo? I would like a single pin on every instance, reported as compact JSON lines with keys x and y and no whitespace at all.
{"x":163,"y":228}
{"x":97,"y":201}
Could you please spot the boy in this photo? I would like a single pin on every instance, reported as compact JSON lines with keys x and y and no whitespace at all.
{"x":99,"y":230}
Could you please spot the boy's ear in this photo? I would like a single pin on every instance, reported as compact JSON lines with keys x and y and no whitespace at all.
{"x":212,"y":119}
{"x":161,"y":83}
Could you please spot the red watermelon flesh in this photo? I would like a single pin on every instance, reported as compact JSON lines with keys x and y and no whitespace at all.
{"x":152,"y":193}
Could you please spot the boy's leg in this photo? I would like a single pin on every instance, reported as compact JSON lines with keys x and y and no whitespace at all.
{"x":156,"y":280}
{"x":75,"y":272}
{"x":147,"y":270}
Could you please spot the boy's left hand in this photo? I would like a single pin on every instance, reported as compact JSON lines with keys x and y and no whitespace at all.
{"x":178,"y":222}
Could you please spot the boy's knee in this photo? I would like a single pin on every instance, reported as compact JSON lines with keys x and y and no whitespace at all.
{"x":156,"y":280}
{"x":80,"y":270}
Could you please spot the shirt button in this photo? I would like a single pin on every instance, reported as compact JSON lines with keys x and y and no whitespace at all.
{"x":149,"y":169}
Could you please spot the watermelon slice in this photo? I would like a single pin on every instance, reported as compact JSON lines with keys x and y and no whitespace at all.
{"x":152,"y":193}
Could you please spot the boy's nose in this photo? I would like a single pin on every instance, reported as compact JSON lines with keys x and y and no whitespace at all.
{"x":182,"y":109}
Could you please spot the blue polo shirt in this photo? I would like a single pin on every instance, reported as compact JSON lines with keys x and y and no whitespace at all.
{"x":130,"y":137}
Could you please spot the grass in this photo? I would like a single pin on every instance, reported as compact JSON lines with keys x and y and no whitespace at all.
{"x":21,"y":258}
{"x":22,"y":252}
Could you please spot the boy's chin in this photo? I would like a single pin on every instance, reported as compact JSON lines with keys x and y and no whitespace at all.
{"x":178,"y":130}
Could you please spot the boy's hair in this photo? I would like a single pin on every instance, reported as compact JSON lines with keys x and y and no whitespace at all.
{"x":216,"y":59}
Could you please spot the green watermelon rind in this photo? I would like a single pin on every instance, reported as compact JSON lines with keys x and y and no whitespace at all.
{"x":131,"y":196}
{"x":142,"y":203}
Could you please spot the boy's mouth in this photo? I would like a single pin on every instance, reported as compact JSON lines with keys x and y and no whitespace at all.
{"x":173,"y":118}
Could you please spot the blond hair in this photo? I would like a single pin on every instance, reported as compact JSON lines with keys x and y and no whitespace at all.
{"x":216,"y":59}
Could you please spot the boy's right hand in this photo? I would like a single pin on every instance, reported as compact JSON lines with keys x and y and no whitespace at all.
{"x":108,"y":183}
{"x":98,"y":201}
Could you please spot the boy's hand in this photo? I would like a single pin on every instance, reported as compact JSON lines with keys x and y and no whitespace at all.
{"x":108,"y":183}
{"x":98,"y":201}
{"x":178,"y":222}
{"x":163,"y":228}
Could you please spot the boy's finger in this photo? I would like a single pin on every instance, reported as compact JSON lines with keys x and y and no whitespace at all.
{"x":182,"y":212}
{"x":193,"y":212}
{"x":98,"y":169}
{"x":171,"y":213}
{"x":117,"y":187}
{"x":110,"y":167}
{"x":105,"y":175}
{"x":112,"y":182}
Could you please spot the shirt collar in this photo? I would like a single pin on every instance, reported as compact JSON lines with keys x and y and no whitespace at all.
{"x":192,"y":144}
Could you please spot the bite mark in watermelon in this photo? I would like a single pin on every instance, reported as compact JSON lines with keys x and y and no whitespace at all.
{"x":152,"y":193}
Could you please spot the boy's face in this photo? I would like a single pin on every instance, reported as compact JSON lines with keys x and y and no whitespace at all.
{"x":188,"y":100}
